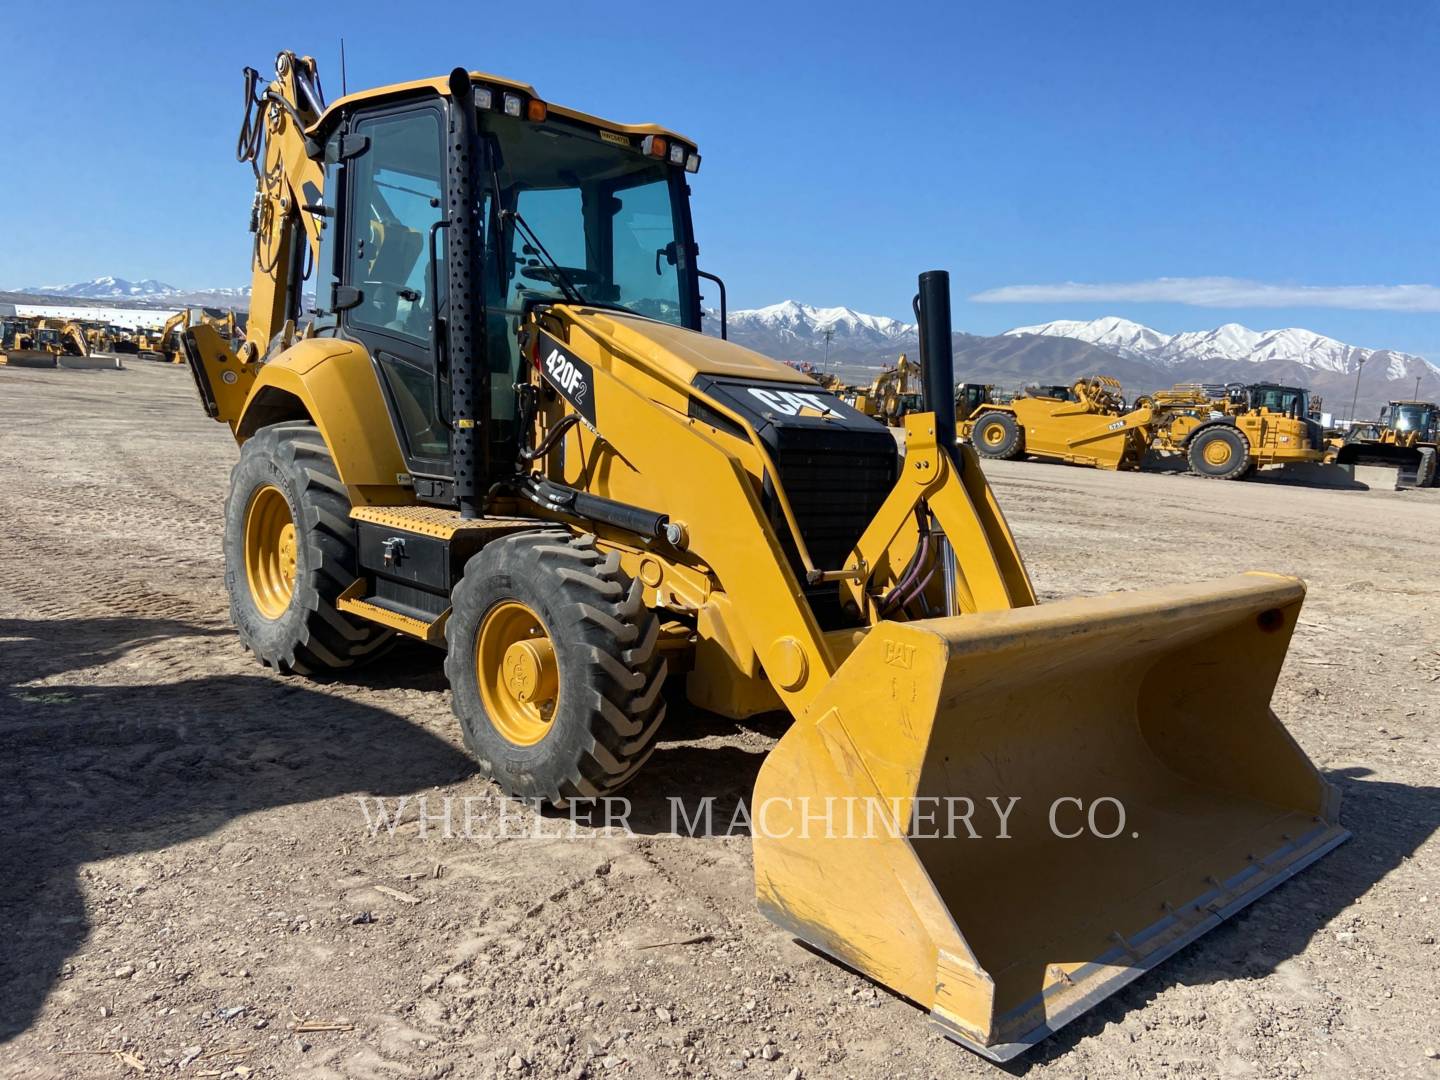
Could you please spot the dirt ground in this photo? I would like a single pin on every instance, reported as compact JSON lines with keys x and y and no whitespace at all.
{"x":187,"y":872}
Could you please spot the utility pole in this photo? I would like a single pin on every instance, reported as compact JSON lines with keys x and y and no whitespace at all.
{"x":1417,"y":387}
{"x":1359,"y":367}
{"x":829,"y":333}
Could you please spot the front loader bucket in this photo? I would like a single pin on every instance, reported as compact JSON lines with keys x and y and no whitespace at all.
{"x":877,"y":840}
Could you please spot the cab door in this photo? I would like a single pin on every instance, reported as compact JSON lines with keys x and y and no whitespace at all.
{"x":392,"y":275}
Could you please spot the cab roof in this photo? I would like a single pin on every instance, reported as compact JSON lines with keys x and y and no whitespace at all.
{"x":440,"y":86}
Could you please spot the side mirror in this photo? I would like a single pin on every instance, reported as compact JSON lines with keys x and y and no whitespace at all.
{"x":724,"y":335}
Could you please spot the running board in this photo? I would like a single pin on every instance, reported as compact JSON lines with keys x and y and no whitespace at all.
{"x":353,"y":602}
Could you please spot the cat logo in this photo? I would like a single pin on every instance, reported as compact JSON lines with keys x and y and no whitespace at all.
{"x":791,"y":403}
{"x":899,"y":654}
{"x":570,"y":375}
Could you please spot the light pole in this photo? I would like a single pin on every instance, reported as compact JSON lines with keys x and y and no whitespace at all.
{"x":1417,"y":387}
{"x":1359,"y":367}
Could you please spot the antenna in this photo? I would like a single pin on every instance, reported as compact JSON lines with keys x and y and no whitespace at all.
{"x":343,"y":89}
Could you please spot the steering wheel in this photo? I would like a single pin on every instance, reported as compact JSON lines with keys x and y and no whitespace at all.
{"x":577,"y":275}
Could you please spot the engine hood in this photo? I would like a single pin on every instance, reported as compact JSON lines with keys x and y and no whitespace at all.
{"x":682,"y":354}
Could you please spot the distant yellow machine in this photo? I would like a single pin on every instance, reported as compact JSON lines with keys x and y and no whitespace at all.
{"x":513,"y":442}
{"x":1225,"y":433}
{"x":1404,"y":438}
{"x":1085,"y":426}
{"x":891,"y":394}
{"x":41,"y":342}
{"x":1240,"y":429}
{"x":165,"y":344}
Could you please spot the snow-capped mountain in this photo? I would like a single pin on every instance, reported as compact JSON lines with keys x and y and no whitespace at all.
{"x":146,"y":293}
{"x":793,"y":325}
{"x":106,"y":288}
{"x":1115,"y":333}
{"x":1142,"y":358}
{"x":1231,"y":342}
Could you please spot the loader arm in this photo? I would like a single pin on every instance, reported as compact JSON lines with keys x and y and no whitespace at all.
{"x":707,"y":489}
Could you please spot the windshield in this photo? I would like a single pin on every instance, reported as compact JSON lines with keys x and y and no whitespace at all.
{"x":1417,"y":418}
{"x":613,"y":220}
{"x":1280,"y":399}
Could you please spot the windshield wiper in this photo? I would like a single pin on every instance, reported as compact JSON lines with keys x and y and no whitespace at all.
{"x":559,"y":276}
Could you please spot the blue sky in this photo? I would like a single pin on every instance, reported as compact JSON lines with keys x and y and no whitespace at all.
{"x":847,"y":146}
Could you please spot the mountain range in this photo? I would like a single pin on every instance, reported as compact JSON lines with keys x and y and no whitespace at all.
{"x":145,"y":293}
{"x":857,"y":346}
{"x":1142,"y":358}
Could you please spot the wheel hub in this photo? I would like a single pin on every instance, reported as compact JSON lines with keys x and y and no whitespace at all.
{"x":1217,"y":452}
{"x":271,"y":552}
{"x":530,"y":673}
{"x":518,"y":674}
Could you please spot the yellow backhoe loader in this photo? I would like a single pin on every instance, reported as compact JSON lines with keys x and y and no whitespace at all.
{"x":49,"y":340}
{"x":165,"y":345}
{"x":1404,"y":438}
{"x":891,"y":394}
{"x":505,"y":435}
{"x":1082,"y":425}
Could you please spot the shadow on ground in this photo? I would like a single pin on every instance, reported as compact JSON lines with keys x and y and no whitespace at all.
{"x":90,"y":772}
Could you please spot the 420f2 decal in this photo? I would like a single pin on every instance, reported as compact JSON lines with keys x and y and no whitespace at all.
{"x":571,"y":377}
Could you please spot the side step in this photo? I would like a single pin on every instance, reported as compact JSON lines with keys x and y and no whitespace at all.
{"x":353,"y":602}
{"x":410,"y":559}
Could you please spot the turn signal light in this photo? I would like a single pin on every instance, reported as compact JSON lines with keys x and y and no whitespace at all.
{"x":536,"y":110}
{"x":653,"y":146}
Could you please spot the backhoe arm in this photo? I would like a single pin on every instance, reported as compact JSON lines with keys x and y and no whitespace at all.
{"x":286,"y":217}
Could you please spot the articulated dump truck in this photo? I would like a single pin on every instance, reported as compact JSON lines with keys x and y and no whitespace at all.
{"x":504,"y":434}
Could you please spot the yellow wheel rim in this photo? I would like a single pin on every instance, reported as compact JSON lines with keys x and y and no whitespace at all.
{"x":993,"y":434}
{"x":517,"y":672}
{"x":270,"y":551}
{"x":1217,"y":452}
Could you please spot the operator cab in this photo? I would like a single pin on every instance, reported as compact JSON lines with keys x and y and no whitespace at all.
{"x":1293,"y":401}
{"x":1052,"y":393}
{"x":571,"y":209}
{"x":1420,"y":418}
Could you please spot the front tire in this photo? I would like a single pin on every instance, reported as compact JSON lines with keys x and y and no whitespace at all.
{"x":290,"y":552}
{"x":554,"y":670}
{"x":997,"y":435}
{"x":1219,"y":452}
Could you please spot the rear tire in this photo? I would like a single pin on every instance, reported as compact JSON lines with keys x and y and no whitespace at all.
{"x":574,"y":709}
{"x":997,"y":435}
{"x":1219,"y":452}
{"x":290,"y":553}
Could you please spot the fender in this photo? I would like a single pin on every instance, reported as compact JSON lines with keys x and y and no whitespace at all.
{"x":331,"y":383}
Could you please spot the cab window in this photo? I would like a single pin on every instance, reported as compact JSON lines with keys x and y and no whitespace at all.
{"x":395,"y":200}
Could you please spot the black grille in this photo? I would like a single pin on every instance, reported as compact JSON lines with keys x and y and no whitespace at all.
{"x":835,"y":485}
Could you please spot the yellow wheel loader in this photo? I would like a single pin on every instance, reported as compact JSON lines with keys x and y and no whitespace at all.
{"x":1405,"y":438}
{"x":1082,"y":425}
{"x":505,"y":435}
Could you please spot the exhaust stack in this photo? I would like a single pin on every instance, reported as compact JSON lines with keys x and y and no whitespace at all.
{"x":937,"y":354}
